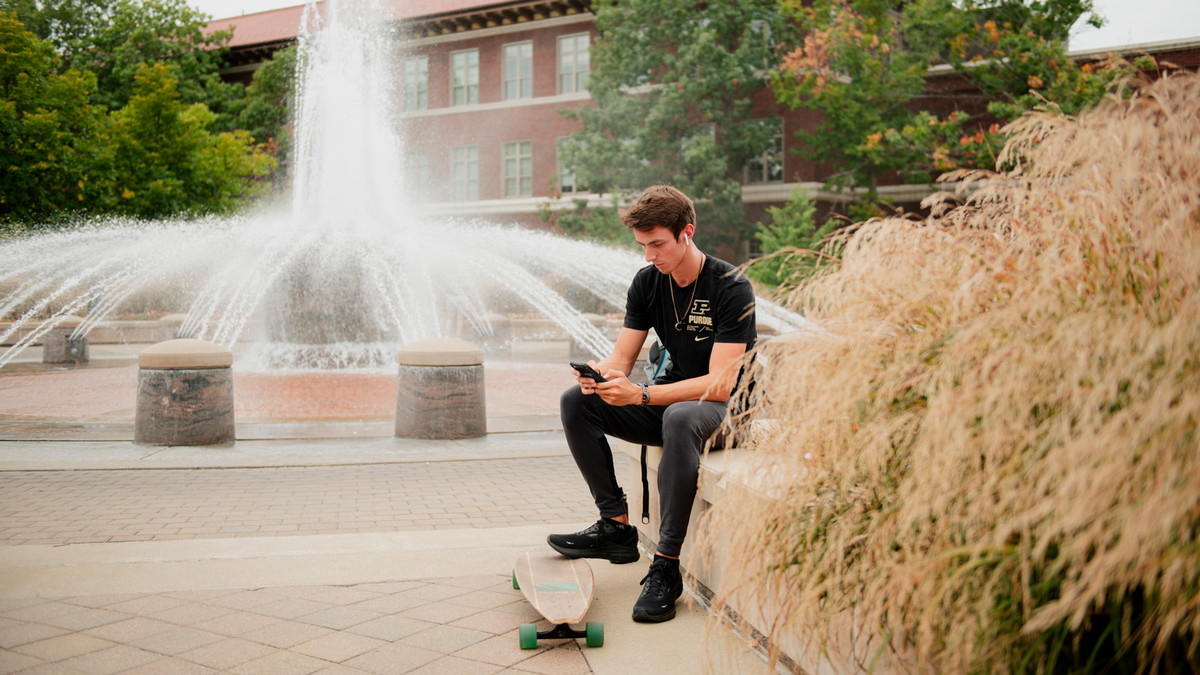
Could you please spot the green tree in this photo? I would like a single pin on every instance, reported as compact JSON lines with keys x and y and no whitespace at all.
{"x":600,"y":223}
{"x":850,"y":68}
{"x":790,"y":243}
{"x":266,"y":111}
{"x":48,"y":130}
{"x":674,"y":83}
{"x":161,"y":160}
{"x":114,"y":39}
{"x":62,"y":23}
{"x":862,"y":64}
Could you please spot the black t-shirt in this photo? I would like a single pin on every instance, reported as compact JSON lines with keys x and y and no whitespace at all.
{"x":722,"y":310}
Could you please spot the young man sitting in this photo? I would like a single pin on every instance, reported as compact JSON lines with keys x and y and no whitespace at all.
{"x":702,"y":310}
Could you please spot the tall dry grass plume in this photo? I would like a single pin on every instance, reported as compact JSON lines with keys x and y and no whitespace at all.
{"x":988,"y":461}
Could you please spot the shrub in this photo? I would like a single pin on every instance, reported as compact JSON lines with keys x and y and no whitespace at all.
{"x":991,"y":449}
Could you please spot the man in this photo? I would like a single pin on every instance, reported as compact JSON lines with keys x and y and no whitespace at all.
{"x":702,"y":310}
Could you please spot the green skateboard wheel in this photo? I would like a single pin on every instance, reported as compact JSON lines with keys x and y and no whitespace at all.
{"x":528,"y":635}
{"x":595,"y":634}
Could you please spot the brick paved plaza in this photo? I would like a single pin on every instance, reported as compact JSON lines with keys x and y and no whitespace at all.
{"x":316,"y":543}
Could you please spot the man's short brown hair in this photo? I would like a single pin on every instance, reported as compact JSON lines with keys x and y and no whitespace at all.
{"x":660,"y":205}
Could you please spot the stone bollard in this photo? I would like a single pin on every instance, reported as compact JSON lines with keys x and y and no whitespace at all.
{"x":440,"y":390}
{"x":59,"y":348}
{"x":185,"y":394}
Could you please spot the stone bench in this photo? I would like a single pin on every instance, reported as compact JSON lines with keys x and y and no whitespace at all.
{"x":439,"y":390}
{"x":717,"y":469}
{"x":721,"y":471}
{"x":185,"y":394}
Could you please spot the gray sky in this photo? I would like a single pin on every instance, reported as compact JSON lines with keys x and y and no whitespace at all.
{"x":1128,"y":21}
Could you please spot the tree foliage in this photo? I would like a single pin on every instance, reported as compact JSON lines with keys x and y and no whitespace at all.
{"x":265,"y":111}
{"x":599,"y":223}
{"x":62,"y":23}
{"x":114,"y":39}
{"x":790,"y":243}
{"x":863,"y":64}
{"x":156,"y":156}
{"x":163,"y":160}
{"x":674,"y":83}
{"x":48,"y":131}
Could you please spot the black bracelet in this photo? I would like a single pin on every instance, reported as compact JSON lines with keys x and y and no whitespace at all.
{"x":645,"y":395}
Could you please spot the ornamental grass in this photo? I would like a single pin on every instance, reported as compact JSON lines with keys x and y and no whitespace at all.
{"x":987,"y":458}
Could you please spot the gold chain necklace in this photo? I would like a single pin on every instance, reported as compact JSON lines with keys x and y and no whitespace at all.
{"x":695,"y":284}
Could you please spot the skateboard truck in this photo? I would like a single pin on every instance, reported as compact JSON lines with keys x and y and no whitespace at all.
{"x":593,"y":634}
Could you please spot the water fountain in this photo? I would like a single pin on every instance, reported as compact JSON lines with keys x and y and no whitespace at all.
{"x":344,"y":277}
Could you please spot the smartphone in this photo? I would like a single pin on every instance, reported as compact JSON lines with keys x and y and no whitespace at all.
{"x":588,"y":371}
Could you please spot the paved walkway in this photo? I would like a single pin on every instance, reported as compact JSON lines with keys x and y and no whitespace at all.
{"x":321,"y":545}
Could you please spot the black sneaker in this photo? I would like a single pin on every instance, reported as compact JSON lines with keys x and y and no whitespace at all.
{"x":607,"y":539}
{"x":661,"y":587}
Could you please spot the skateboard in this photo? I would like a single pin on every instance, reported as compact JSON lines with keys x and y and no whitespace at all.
{"x":560,"y":589}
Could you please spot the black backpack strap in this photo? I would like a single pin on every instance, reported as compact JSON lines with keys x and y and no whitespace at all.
{"x":645,"y":490}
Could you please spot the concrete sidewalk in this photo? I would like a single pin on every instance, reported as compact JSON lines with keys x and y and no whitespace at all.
{"x":317,"y":547}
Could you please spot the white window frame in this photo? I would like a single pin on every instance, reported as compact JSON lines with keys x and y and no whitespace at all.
{"x":517,"y":168}
{"x":516,"y":70}
{"x":568,"y":180}
{"x":416,"y":173}
{"x":464,"y":173}
{"x":577,"y":73}
{"x":416,"y":83}
{"x":468,"y":72}
{"x":758,"y":170}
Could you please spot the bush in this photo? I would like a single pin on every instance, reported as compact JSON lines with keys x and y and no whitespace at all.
{"x":991,"y":449}
{"x":790,"y":243}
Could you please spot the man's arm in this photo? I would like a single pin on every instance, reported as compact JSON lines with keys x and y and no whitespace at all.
{"x":717,"y":385}
{"x":625,"y":352}
{"x":619,"y":363}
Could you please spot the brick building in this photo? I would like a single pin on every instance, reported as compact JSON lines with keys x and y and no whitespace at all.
{"x":484,"y":81}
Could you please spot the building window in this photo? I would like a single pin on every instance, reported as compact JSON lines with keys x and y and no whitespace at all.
{"x":518,"y":70}
{"x":518,"y":169}
{"x":573,"y":64}
{"x":464,"y":77}
{"x":768,"y":166}
{"x":567,"y":180}
{"x":416,"y":83}
{"x":464,"y":173}
{"x":416,"y":173}
{"x":705,"y":132}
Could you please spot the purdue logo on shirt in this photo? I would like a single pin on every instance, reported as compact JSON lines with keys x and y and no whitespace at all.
{"x":698,"y":318}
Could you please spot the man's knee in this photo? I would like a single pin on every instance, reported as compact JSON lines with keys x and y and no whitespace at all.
{"x":691,"y":419}
{"x":574,"y":404}
{"x":571,"y":399}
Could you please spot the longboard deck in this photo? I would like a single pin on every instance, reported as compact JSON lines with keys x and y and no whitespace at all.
{"x":559,"y":588}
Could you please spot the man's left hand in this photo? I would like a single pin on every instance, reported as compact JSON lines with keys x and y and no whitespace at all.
{"x":618,"y":390}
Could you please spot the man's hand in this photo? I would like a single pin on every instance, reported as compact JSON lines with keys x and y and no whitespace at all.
{"x":618,"y":390}
{"x":586,"y":384}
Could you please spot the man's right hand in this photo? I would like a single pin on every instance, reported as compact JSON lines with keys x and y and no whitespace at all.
{"x":586,"y":384}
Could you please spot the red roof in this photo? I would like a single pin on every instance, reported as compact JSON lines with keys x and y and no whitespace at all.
{"x":261,"y":27}
{"x":284,"y":24}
